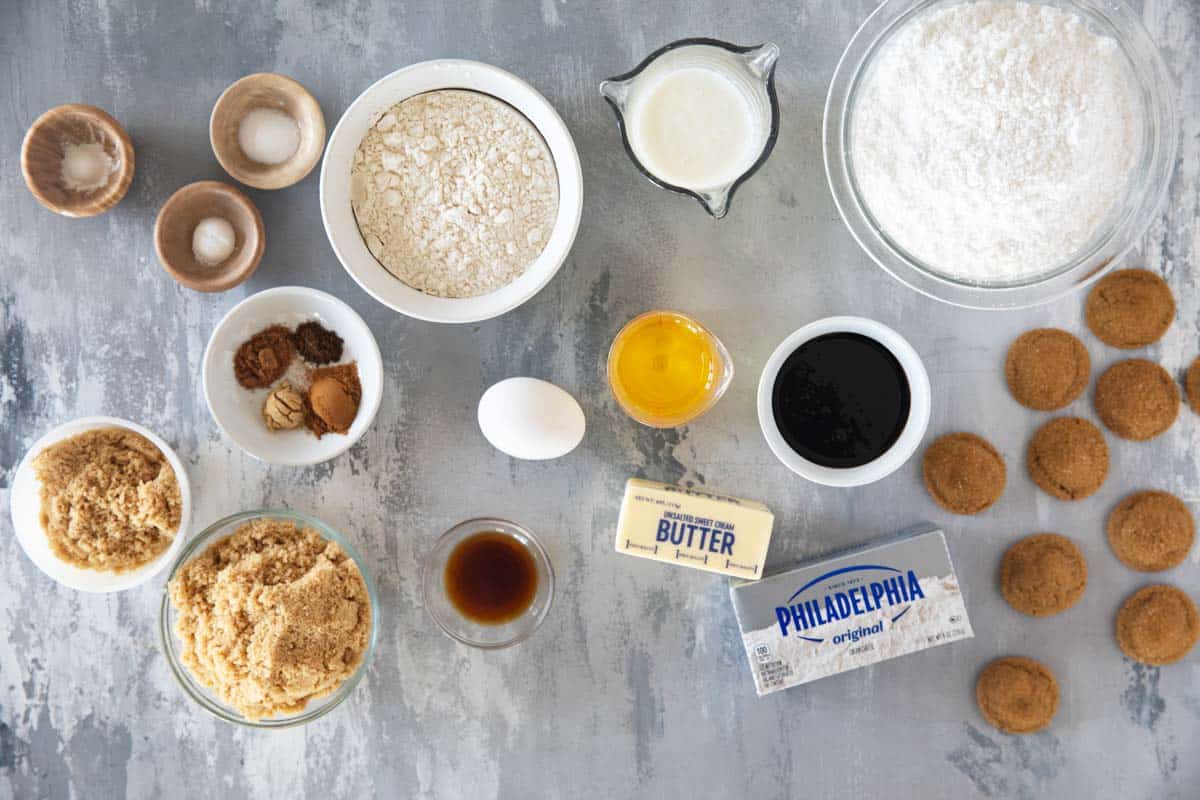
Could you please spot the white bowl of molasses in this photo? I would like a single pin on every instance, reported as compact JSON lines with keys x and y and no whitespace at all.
{"x":844,"y":401}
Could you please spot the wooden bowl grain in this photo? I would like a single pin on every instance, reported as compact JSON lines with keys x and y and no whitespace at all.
{"x":177,"y":222}
{"x":42,"y":155}
{"x":267,"y":90}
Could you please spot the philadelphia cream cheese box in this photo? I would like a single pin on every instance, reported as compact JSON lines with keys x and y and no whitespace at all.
{"x":695,"y":529}
{"x":862,"y":606}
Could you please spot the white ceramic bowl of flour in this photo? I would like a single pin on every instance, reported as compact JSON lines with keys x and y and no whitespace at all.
{"x":1012,"y":196}
{"x":338,"y":216}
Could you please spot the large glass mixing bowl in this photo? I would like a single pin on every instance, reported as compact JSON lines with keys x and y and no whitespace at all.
{"x":1122,"y":229}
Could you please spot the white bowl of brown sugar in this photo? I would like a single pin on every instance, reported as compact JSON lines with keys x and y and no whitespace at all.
{"x":101,"y":504}
{"x":451,"y":191}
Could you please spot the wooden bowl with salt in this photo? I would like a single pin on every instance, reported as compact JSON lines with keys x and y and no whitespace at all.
{"x":77,"y":160}
{"x":176,"y":225}
{"x":267,"y":90}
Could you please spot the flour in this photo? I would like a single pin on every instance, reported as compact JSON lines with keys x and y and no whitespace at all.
{"x":455,"y":193}
{"x":993,"y":139}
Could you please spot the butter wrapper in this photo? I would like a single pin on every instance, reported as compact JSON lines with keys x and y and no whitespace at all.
{"x":856,"y":608}
{"x":691,"y":528}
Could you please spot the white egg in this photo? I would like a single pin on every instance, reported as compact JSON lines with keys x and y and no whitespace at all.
{"x":530,"y":419}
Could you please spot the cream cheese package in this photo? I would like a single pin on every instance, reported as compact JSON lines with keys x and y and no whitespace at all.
{"x":859,"y":607}
{"x":695,"y":529}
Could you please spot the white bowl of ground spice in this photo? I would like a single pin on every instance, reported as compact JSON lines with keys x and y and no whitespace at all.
{"x":451,"y":191}
{"x":286,"y":397}
{"x":101,"y":504}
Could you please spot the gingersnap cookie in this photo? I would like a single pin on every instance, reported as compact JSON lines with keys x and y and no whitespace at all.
{"x":963,"y":473}
{"x":1158,"y":625}
{"x":1017,"y":695}
{"x":1137,"y":399}
{"x":1191,"y":382}
{"x":1151,"y":531}
{"x":1130,"y":308}
{"x":1043,"y":574}
{"x":1046,"y":369}
{"x":1068,"y":458}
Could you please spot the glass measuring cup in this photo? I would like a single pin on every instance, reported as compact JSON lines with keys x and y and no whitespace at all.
{"x":750,"y":69}
{"x":665,"y":369}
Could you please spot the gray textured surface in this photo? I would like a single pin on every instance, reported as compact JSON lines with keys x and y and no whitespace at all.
{"x":636,"y":684}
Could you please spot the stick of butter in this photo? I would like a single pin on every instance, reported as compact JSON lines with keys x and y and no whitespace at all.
{"x":694,"y":529}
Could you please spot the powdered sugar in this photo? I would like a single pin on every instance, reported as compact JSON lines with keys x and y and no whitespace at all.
{"x":454,"y":192}
{"x":992,"y":139}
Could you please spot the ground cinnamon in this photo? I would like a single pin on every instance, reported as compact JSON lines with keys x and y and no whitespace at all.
{"x":333,"y":411}
{"x":264,"y":357}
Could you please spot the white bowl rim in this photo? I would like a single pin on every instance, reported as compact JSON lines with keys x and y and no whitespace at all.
{"x":77,"y":578}
{"x":435,"y":75}
{"x":369,"y":406}
{"x":911,"y":435}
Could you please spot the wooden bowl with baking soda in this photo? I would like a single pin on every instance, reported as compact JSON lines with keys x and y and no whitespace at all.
{"x":267,"y":131}
{"x":77,"y":160}
{"x":209,"y":236}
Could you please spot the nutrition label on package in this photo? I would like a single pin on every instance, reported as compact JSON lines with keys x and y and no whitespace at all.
{"x":771,"y":671}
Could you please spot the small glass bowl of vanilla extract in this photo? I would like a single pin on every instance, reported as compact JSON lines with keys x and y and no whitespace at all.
{"x":488,"y":583}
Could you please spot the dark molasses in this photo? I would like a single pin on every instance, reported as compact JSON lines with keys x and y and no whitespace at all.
{"x":841,"y":400}
{"x":491,"y":578}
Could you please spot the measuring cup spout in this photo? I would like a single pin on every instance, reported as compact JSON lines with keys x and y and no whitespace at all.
{"x":716,"y":202}
{"x":615,"y":91}
{"x":761,"y":60}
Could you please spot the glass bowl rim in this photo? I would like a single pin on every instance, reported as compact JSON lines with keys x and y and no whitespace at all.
{"x":1140,"y":205}
{"x":190,"y":685}
{"x":724,"y":379}
{"x":768,"y":145}
{"x":481,"y":524}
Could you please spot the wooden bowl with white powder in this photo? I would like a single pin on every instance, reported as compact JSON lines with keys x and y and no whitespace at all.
{"x":451,"y":191}
{"x":77,"y":160}
{"x":267,"y":131}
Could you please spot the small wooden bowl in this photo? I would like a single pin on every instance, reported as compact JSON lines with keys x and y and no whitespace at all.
{"x":42,"y":154}
{"x":267,"y":90}
{"x":178,"y":219}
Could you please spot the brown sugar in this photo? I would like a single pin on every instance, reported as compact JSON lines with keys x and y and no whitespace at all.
{"x":264,"y":357}
{"x":1017,"y":695}
{"x":1043,"y":574}
{"x":110,"y":500}
{"x":271,"y":617}
{"x":1158,"y":625}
